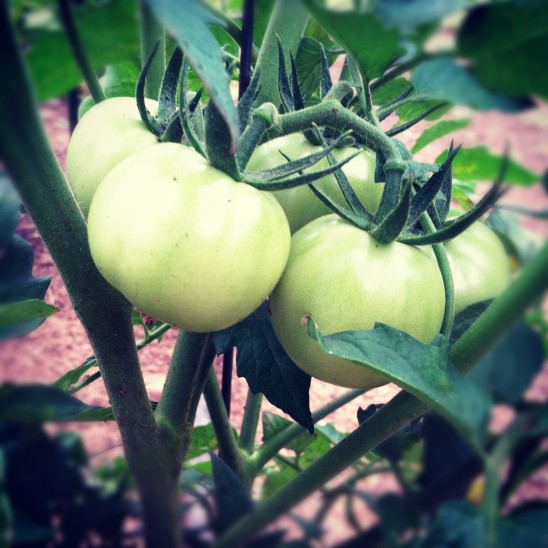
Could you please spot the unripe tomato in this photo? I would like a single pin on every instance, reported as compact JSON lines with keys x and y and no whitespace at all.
{"x":479,"y":265}
{"x":183,"y":241}
{"x":346,"y":280}
{"x":300,"y":204}
{"x":107,"y":134}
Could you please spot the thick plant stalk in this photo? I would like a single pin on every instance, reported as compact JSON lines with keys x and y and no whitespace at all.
{"x":152,"y":33}
{"x":402,"y":409}
{"x":287,"y":22}
{"x":103,"y":311}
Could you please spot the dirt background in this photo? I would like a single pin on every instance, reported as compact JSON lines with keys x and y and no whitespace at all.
{"x":61,"y":344}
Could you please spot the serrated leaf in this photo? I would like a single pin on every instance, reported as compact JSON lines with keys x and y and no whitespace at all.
{"x":438,"y":130}
{"x":188,"y":21}
{"x":362,"y":34}
{"x":506,"y":43}
{"x":478,"y":164}
{"x":445,"y":80}
{"x":41,"y":403}
{"x":233,"y":500}
{"x":265,"y":365}
{"x":24,"y":311}
{"x":424,"y":370}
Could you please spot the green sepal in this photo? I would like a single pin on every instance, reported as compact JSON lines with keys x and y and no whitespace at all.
{"x":298,"y":100}
{"x":325,"y":77}
{"x":459,"y":225}
{"x":362,"y":222}
{"x":174,"y":130}
{"x":247,"y":100}
{"x":189,"y":130}
{"x":220,"y":150}
{"x":150,"y":121}
{"x":428,"y":192}
{"x":393,"y":224}
{"x":167,"y":96}
{"x":347,"y":191}
{"x":284,"y":87}
{"x":403,"y":127}
{"x":294,"y":166}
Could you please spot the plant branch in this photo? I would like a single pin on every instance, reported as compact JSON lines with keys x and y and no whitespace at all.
{"x":402,"y":409}
{"x":152,"y":32}
{"x":228,"y":448}
{"x":79,"y":52}
{"x":285,"y":436}
{"x":250,"y":421}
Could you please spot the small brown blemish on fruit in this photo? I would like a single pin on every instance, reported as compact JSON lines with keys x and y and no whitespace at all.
{"x":305,"y":318}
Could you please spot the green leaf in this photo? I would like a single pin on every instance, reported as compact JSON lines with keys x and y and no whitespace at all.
{"x":308,"y":62}
{"x":446,"y":80}
{"x":418,"y":107}
{"x":276,"y":478}
{"x":438,"y":130}
{"x":265,"y":365}
{"x":109,"y":32}
{"x":423,"y":369}
{"x":18,"y":284}
{"x":506,"y":43}
{"x":41,"y":403}
{"x":24,"y":311}
{"x":526,"y":526}
{"x":188,"y":21}
{"x":390,"y":91}
{"x":363,"y":35}
{"x":478,"y":164}
{"x":203,"y":441}
{"x":273,"y":424}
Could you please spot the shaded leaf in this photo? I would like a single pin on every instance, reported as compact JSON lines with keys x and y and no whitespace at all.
{"x":506,"y":43}
{"x":423,"y":369}
{"x":232,"y":498}
{"x":446,"y":80}
{"x":42,"y":403}
{"x":10,"y":205}
{"x":265,"y":365}
{"x":478,"y":164}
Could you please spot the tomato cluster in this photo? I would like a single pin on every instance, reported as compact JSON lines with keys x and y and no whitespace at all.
{"x":187,"y":244}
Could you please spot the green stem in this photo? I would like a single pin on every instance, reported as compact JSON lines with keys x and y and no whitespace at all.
{"x":152,"y":32}
{"x":250,"y":421}
{"x":289,"y":30}
{"x":228,"y":448}
{"x":333,"y":114}
{"x":447,"y":277}
{"x":79,"y":52}
{"x":401,"y":410}
{"x":282,"y":438}
{"x":174,"y":412}
{"x":103,"y":311}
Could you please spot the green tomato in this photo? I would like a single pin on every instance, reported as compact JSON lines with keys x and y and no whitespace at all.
{"x":479,"y":265}
{"x":300,"y":204}
{"x":183,"y":241}
{"x":345,"y":280}
{"x":108,"y":133}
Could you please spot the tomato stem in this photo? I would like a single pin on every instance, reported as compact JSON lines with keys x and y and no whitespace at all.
{"x":250,"y":421}
{"x":79,"y":51}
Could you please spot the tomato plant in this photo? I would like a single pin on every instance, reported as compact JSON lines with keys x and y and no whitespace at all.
{"x":108,"y":133}
{"x":385,"y":287}
{"x":299,"y":203}
{"x":163,"y":216}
